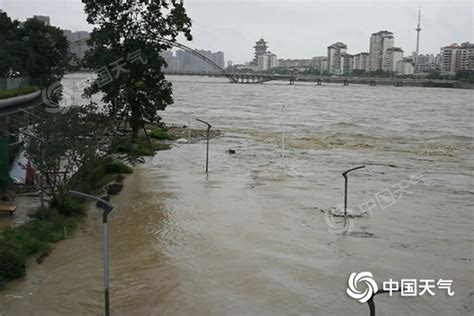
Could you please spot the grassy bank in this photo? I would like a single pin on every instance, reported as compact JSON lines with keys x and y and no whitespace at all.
{"x":49,"y":225}
{"x":143,"y":146}
{"x":5,"y":94}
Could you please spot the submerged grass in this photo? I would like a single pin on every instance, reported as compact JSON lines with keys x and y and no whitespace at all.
{"x":140,"y":147}
{"x":161,"y":134}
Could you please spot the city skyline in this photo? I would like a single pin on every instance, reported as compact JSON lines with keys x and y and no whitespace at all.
{"x":303,"y":31}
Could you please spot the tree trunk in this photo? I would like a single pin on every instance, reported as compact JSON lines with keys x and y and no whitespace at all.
{"x":136,"y":126}
{"x":135,"y":122}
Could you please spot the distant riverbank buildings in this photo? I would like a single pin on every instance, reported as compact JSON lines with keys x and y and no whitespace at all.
{"x":77,"y":40}
{"x":457,"y":57}
{"x":382,"y":55}
{"x":184,"y":62}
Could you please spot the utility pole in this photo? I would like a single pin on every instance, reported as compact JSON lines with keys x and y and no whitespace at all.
{"x":418,"y":30}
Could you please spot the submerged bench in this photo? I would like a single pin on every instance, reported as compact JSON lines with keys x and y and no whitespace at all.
{"x":7,"y":207}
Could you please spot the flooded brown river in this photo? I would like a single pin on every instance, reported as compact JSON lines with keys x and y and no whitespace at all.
{"x":250,"y":238}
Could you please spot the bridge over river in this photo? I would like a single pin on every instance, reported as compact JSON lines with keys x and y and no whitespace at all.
{"x":252,"y":78}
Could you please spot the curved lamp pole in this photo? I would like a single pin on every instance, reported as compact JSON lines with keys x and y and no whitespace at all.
{"x":371,"y":301}
{"x":344,"y":174}
{"x":107,"y":208}
{"x":207,"y":147}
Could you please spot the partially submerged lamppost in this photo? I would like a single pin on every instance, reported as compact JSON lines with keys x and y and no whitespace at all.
{"x":207,"y":146}
{"x":107,"y":208}
{"x":344,"y":174}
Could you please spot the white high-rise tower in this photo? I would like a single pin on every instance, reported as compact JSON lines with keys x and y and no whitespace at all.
{"x":418,"y":29}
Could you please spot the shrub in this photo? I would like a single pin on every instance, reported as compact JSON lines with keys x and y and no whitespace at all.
{"x":46,"y":213}
{"x":115,"y":167}
{"x":23,"y":241}
{"x":47,"y":231}
{"x":160,"y":134}
{"x":12,"y":264}
{"x":69,"y":206}
{"x":140,"y":149}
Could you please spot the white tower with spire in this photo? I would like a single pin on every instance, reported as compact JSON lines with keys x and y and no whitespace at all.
{"x":418,"y":29}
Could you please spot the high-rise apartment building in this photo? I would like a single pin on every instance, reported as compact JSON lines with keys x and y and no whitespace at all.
{"x":405,"y":67}
{"x":347,"y":63}
{"x":379,"y":43}
{"x":449,"y":59}
{"x":335,"y":52}
{"x":266,"y":61}
{"x":77,"y":42}
{"x":320,"y":63}
{"x":361,"y":61}
{"x":392,"y":56}
{"x":457,"y":57}
{"x":466,"y":56}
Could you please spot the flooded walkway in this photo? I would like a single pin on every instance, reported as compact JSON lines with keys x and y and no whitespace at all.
{"x":249,"y":238}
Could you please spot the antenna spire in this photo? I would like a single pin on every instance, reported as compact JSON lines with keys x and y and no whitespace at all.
{"x":418,"y":30}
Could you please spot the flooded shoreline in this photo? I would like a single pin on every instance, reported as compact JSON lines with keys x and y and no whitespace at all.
{"x":249,"y":238}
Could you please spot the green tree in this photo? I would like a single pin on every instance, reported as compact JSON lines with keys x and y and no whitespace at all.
{"x":34,"y":49}
{"x":358,"y":73}
{"x":465,"y":75}
{"x":49,"y":52}
{"x":434,"y":75}
{"x":60,"y":144}
{"x":125,"y":30}
{"x":8,"y":28}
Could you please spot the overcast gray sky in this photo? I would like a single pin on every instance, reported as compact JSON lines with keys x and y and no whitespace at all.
{"x":294,"y":29}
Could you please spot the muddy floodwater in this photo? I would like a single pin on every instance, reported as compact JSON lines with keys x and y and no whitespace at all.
{"x":252,"y":237}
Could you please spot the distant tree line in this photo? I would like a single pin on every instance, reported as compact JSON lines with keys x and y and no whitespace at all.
{"x":461,"y":75}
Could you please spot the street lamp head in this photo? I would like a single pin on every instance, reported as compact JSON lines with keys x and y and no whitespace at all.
{"x":208,"y":125}
{"x":344,"y":174}
{"x":106,"y":206}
